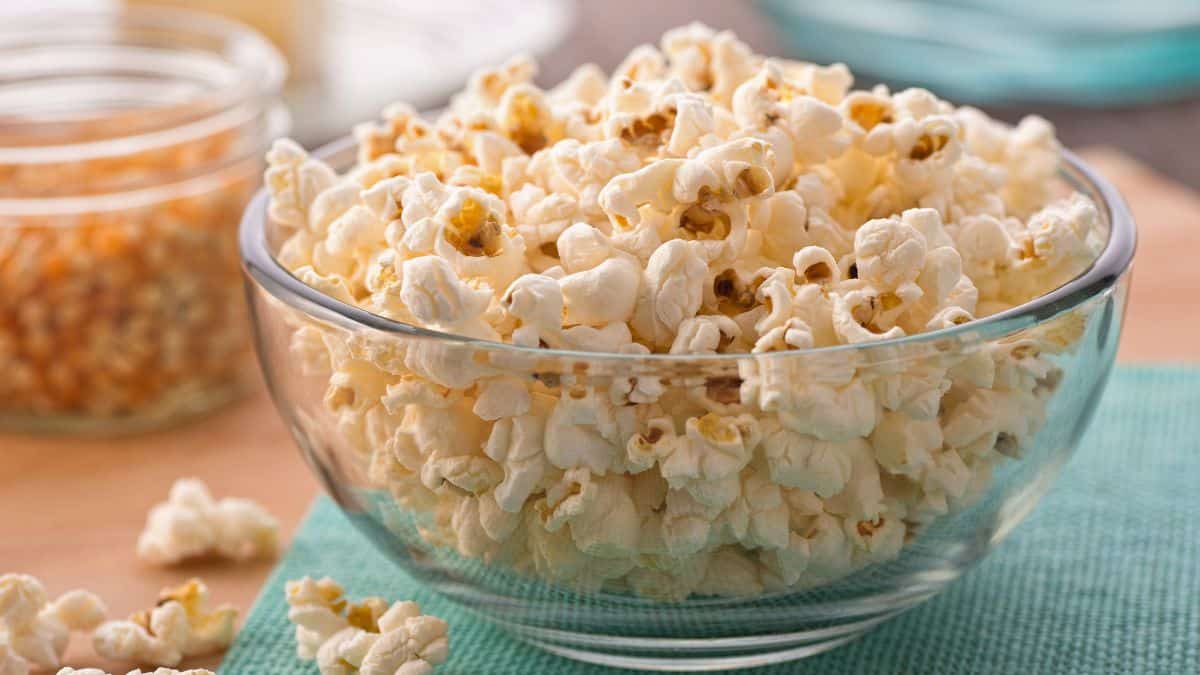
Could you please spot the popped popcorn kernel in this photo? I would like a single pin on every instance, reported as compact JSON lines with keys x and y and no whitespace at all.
{"x":473,"y":231}
{"x":371,"y":637}
{"x":725,"y":223}
{"x":34,"y":631}
{"x":192,"y":524}
{"x":181,"y":625}
{"x":137,"y":671}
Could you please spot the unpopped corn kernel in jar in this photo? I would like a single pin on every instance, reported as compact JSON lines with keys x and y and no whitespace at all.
{"x":121,"y":306}
{"x":706,"y":203}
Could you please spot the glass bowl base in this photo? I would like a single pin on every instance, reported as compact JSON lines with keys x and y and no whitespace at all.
{"x":700,"y":655}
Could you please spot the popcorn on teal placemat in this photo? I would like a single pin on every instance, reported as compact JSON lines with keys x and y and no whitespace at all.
{"x":1103,"y":577}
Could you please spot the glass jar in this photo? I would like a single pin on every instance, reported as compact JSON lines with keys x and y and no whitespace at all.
{"x":130,"y":141}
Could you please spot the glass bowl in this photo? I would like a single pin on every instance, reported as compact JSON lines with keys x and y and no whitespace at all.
{"x":813,"y":493}
{"x":994,"y":51}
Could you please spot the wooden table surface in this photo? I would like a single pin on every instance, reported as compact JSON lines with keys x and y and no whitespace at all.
{"x":71,"y":510}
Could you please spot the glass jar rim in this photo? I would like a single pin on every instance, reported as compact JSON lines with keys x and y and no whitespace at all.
{"x":258,"y":66}
{"x":1104,"y":273}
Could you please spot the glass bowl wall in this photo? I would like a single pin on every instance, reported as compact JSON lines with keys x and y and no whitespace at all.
{"x":830,"y":528}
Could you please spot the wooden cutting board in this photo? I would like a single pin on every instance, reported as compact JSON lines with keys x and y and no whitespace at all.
{"x":71,"y":510}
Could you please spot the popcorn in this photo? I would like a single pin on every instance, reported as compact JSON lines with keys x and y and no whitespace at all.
{"x":516,"y":445}
{"x":708,"y":61}
{"x":157,"y":671}
{"x":295,"y":181}
{"x":603,"y":294}
{"x":33,"y":630}
{"x":138,"y":671}
{"x":708,"y":334}
{"x":317,"y":608}
{"x":888,"y":253}
{"x":673,"y":290}
{"x":369,"y":637}
{"x":713,"y":448}
{"x":581,"y":431}
{"x":180,"y":626}
{"x":192,"y":524}
{"x":580,"y":170}
{"x":728,"y":224}
{"x":801,"y":461}
{"x":438,"y":298}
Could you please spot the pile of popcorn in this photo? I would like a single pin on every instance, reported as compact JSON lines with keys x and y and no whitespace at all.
{"x":369,"y":637}
{"x":702,"y":200}
{"x":136,"y":671}
{"x":34,"y":631}
{"x":129,"y":307}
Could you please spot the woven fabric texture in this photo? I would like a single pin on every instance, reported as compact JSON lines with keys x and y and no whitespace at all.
{"x":1104,"y":576}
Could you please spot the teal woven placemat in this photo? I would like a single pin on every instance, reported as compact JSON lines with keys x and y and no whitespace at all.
{"x":1103,"y":577}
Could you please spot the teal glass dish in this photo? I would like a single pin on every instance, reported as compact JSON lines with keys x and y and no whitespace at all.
{"x":991,"y":51}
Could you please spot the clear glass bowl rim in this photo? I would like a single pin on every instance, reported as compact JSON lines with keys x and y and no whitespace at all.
{"x":261,"y":266}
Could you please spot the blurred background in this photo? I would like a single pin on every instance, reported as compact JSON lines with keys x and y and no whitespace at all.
{"x":1106,"y":72}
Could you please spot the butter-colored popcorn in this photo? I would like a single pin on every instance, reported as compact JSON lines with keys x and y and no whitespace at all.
{"x":708,"y":61}
{"x":369,"y":637}
{"x":705,"y":199}
{"x":1056,"y":244}
{"x":580,"y":170}
{"x":402,"y":132}
{"x":34,"y":631}
{"x":12,"y":663}
{"x":411,"y":643}
{"x":602,"y":294}
{"x":745,"y":219}
{"x":540,"y":218}
{"x":317,"y":608}
{"x":802,"y":461}
{"x":672,"y":291}
{"x":771,"y":99}
{"x":535,"y":303}
{"x":192,"y":524}
{"x":587,"y":85}
{"x":438,"y":298}
{"x":581,"y":431}
{"x":524,"y":116}
{"x":644,"y":63}
{"x":758,"y":518}
{"x":295,"y":181}
{"x":137,"y":671}
{"x":180,"y":626}
{"x":487,"y":86}
{"x":599,"y":511}
{"x":1028,"y":153}
{"x":516,"y":445}
{"x":712,"y":448}
{"x":707,"y":334}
